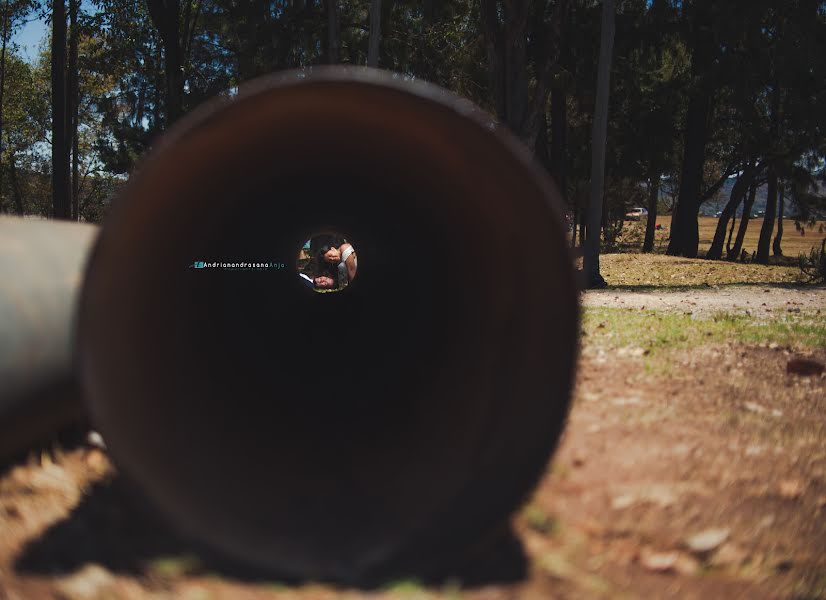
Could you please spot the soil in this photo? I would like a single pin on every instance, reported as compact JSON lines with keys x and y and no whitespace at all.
{"x":743,"y":299}
{"x":703,"y":480}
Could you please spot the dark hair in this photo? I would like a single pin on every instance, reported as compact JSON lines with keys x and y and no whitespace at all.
{"x":323,"y":268}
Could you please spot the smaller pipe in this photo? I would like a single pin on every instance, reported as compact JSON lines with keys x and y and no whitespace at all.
{"x":42,"y":264}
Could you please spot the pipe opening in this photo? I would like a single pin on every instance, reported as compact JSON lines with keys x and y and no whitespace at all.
{"x":327,"y":262}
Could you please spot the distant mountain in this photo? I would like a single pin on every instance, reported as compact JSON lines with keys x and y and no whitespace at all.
{"x":716,"y":204}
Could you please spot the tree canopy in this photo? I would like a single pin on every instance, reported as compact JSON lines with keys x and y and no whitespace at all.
{"x":701,"y":91}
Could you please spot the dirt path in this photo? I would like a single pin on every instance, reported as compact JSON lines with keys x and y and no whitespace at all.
{"x":755,"y":300}
{"x":728,"y":447}
{"x":695,"y":473}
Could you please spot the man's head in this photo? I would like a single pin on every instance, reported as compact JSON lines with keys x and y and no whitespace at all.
{"x":324,"y":282}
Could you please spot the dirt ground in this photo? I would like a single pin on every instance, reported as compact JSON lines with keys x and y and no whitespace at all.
{"x":748,"y":300}
{"x":685,"y":471}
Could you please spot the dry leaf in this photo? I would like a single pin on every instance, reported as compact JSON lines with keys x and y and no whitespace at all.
{"x":728,"y":555}
{"x":667,"y":562}
{"x":686,"y":565}
{"x":622,"y":502}
{"x":659,"y":562}
{"x":791,"y":488}
{"x":707,"y":540}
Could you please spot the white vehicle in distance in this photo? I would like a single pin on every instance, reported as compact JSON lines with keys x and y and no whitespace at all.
{"x":636,"y":214}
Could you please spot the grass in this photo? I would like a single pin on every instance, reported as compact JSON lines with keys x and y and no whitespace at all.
{"x":660,"y":271}
{"x":634,"y":269}
{"x":539,"y":520}
{"x":657,"y":332}
{"x":170,"y":567}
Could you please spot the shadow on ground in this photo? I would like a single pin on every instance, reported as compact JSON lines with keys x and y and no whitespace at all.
{"x":114,"y":526}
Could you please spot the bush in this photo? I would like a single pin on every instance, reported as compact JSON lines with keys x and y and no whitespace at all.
{"x":814,"y":265}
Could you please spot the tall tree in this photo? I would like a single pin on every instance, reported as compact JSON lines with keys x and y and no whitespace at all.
{"x":6,"y":30}
{"x":333,"y":32}
{"x":60,"y":148}
{"x":73,"y":102}
{"x":764,"y":243}
{"x":166,"y":15}
{"x":738,"y":192}
{"x":508,"y":25}
{"x":735,"y":251}
{"x":650,"y":223}
{"x":375,"y":34}
{"x":685,"y":235}
{"x":593,"y":278}
{"x":777,"y":249}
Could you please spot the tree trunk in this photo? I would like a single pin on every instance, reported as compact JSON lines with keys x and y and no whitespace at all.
{"x":60,"y":148}
{"x":744,"y":223}
{"x":574,"y":224}
{"x":74,"y":104}
{"x":767,"y":229}
{"x":771,"y":193}
{"x":5,"y":34}
{"x":506,"y":26}
{"x":739,"y":190}
{"x":494,"y":47}
{"x":650,"y":225}
{"x":15,"y":185}
{"x":731,"y":232}
{"x":685,"y":235}
{"x":516,"y":73}
{"x":428,"y":13}
{"x":778,"y":238}
{"x":375,"y":34}
{"x":543,"y":157}
{"x":166,"y":16}
{"x":559,"y":140}
{"x":593,"y":278}
{"x":333,"y":32}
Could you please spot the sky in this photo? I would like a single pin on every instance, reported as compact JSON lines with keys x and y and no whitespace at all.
{"x":29,"y":37}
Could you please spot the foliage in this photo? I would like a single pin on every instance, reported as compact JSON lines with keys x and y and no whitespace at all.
{"x":814,"y":265}
{"x":749,"y":48}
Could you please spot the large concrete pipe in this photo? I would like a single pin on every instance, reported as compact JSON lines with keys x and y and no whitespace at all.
{"x":376,"y":431}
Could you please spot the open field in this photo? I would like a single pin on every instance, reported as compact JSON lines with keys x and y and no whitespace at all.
{"x":693,"y":465}
{"x":792,"y":242}
{"x":657,"y":271}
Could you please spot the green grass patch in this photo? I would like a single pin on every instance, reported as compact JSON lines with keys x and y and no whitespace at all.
{"x":538,"y":520}
{"x":407,"y":588}
{"x":658,"y":331}
{"x":170,"y":567}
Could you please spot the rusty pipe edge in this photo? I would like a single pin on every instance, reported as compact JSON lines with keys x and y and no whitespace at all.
{"x":41,"y":265}
{"x":375,"y":432}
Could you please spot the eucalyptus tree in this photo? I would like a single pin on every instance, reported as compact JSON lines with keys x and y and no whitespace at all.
{"x":519,"y":75}
{"x":61,"y":192}
{"x":12,"y":13}
{"x":126,"y":52}
{"x":26,"y":115}
{"x":796,"y":71}
{"x":593,"y":278}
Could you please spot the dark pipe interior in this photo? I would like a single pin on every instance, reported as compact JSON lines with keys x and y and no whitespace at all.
{"x":332,"y":435}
